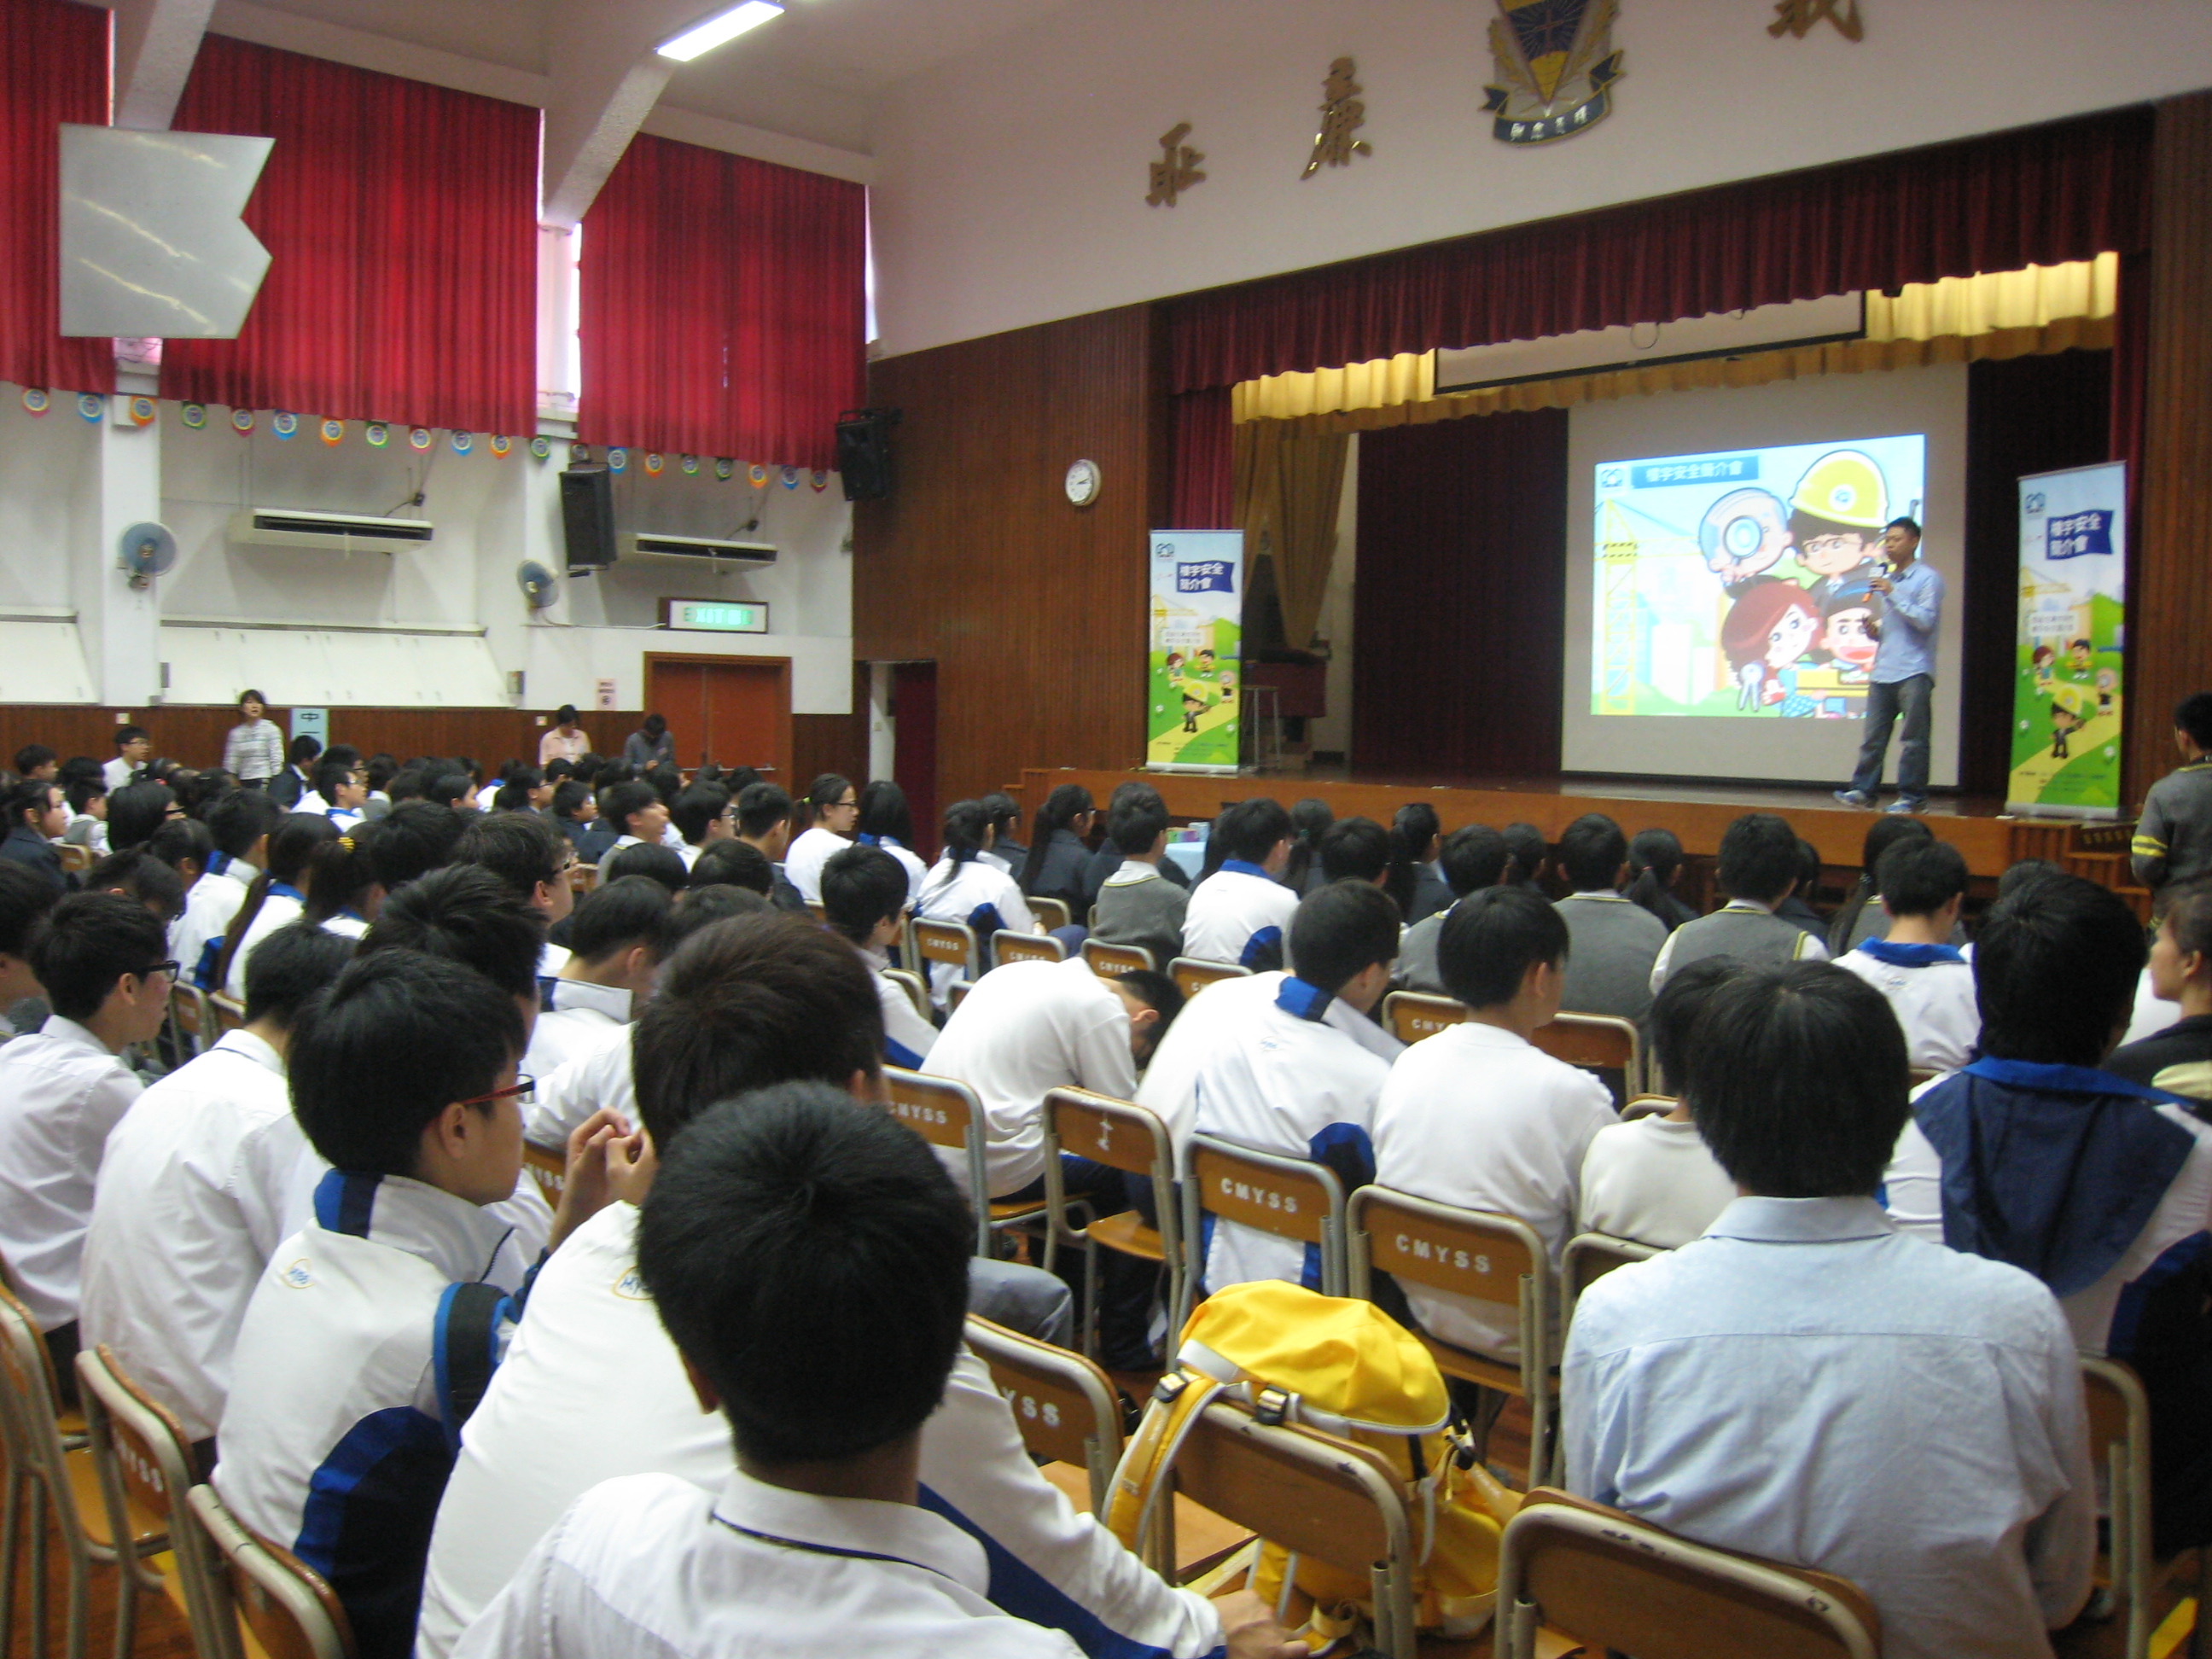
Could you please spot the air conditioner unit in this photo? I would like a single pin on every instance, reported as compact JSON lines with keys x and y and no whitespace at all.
{"x":335,"y":533}
{"x":695,"y":550}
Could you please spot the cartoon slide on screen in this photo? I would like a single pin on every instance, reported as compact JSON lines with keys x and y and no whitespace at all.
{"x":1738,"y":583}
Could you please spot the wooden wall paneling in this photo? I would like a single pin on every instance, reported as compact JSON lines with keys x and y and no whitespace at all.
{"x":1034,"y":609}
{"x":2170,"y":600}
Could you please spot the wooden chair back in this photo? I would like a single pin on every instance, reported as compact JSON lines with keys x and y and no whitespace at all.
{"x":1409,"y":1015}
{"x":1193,"y":973}
{"x":956,"y":993}
{"x":74,"y":859}
{"x":910,"y":981}
{"x":194,"y":1018}
{"x":1596,"y":1042}
{"x":1609,"y":1581}
{"x":1291,"y":1197}
{"x":1588,"y":1258}
{"x":585,"y":879}
{"x":945,"y":1113}
{"x":548,"y":1168}
{"x":1474,"y":1254}
{"x":146,"y":1467}
{"x":1051,"y":912}
{"x":2120,"y":1440}
{"x":1124,"y":1136}
{"x":229,"y":1012}
{"x":1333,"y":1500}
{"x":1007,"y":946}
{"x":276,"y":1600}
{"x":1919,"y":1075}
{"x":1108,"y":960}
{"x":950,"y":943}
{"x":1064,"y":1405}
{"x":1648,"y":1106}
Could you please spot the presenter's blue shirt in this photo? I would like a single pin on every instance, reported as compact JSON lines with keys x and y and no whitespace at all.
{"x":1911,"y":615}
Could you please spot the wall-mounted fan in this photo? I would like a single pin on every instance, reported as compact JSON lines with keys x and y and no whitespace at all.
{"x":539,"y":585}
{"x":145,"y":551}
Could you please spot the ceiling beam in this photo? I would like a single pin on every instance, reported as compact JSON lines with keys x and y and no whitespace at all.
{"x":155,"y":42}
{"x":605,"y":79}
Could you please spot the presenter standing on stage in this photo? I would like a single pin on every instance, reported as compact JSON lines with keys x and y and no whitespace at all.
{"x":1904,"y":673}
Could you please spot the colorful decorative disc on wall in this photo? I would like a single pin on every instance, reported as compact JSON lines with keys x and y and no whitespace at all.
{"x":143,"y":410}
{"x":500,"y":444}
{"x":91,"y":405}
{"x":35,"y":401}
{"x":419,"y":438}
{"x":580,"y":454}
{"x":791,"y":477}
{"x":652,"y":464}
{"x":194,"y":416}
{"x":617,"y":460}
{"x":378,"y":434}
{"x":691,"y":465}
{"x":283,"y":423}
{"x":540,"y":448}
{"x":464,"y":442}
{"x":332,"y":433}
{"x":819,"y":479}
{"x":724,"y":468}
{"x":241,"y":421}
{"x":757,"y":476}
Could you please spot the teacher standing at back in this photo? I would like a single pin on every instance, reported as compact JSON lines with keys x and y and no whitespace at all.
{"x":1903,"y":675}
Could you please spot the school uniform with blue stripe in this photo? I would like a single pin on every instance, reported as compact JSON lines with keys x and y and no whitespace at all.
{"x":1239,"y":913}
{"x":368,"y":1340}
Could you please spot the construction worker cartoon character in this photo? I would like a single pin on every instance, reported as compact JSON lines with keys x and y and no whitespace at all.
{"x":2070,"y":712}
{"x":1836,"y":519}
{"x":1850,"y":629}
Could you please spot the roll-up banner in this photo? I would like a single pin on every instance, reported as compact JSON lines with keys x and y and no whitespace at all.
{"x":1194,"y":678}
{"x":2070,"y":675}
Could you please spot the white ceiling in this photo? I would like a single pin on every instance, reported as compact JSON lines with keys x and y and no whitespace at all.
{"x":813,"y":73}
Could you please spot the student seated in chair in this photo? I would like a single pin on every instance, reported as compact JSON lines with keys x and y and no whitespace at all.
{"x":2179,"y":1058}
{"x":373,"y":1331}
{"x":1759,"y":869}
{"x":190,"y":1202}
{"x":963,"y":887}
{"x":615,"y":943}
{"x":2036,"y":1156}
{"x":1240,"y":913}
{"x":1805,"y":1382}
{"x":864,"y":891}
{"x":1929,"y":985}
{"x":1614,"y":939}
{"x":1288,"y":1063}
{"x":1138,"y":903}
{"x":764,"y":821}
{"x":1475,"y":856}
{"x":1359,"y":849}
{"x":1478,"y":1116}
{"x":744,"y":1005}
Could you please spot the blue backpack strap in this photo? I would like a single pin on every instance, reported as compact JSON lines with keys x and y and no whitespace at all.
{"x":203,"y":969}
{"x":466,"y":1350}
{"x":1263,"y":951}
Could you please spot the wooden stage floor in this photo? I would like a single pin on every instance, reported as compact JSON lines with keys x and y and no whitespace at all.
{"x":1697,"y":812}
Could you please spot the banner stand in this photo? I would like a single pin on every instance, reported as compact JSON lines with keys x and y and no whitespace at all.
{"x":2069,"y":663}
{"x":1193,"y":704}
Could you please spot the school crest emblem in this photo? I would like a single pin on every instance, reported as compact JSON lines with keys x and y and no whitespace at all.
{"x":1555,"y":65}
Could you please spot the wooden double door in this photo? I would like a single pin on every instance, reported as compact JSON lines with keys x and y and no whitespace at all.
{"x":731,"y":711}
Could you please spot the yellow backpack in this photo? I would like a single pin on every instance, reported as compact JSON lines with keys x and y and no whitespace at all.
{"x":1345,"y":1368}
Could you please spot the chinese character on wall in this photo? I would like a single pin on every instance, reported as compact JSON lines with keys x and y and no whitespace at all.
{"x":1176,"y":170}
{"x":1342,"y":115}
{"x":1799,"y":17}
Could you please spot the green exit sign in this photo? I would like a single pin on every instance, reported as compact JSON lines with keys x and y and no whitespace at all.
{"x":714,"y":616}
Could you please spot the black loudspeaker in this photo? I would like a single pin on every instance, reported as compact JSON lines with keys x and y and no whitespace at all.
{"x":587,"y":517}
{"x":864,"y":452}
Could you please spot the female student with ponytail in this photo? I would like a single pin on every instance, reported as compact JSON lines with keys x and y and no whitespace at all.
{"x":277,"y":898}
{"x":1416,"y":837}
{"x":343,"y":893}
{"x":965,"y":886}
{"x":1054,"y":868}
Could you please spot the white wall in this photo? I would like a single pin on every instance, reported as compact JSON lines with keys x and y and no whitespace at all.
{"x":1009,"y":185}
{"x":448,"y":622}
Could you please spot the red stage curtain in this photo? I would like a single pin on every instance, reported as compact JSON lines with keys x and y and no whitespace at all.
{"x":2040,"y":195}
{"x":724,"y":308}
{"x":53,"y":62}
{"x":402,"y":220}
{"x":1457,"y":665}
{"x":1202,"y":494}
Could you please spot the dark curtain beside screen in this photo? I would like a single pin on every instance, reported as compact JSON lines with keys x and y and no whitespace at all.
{"x":54,"y":61}
{"x":2023,"y":414}
{"x":1462,"y":609}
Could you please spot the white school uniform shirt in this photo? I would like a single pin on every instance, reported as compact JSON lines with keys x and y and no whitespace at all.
{"x":803,"y":859}
{"x":1273,"y":1078}
{"x":1027,"y":1028}
{"x":1930,"y":989}
{"x":209,"y":907}
{"x":1235,"y":912}
{"x":61,"y":1092}
{"x":346,"y":924}
{"x":955,"y":893}
{"x":1482,"y":1118}
{"x":1912,"y":1189}
{"x":1806,"y":1383}
{"x":1653,"y":1180}
{"x":2153,"y":1013}
{"x":597,"y":1076}
{"x":575,"y":1017}
{"x":916,"y":871}
{"x":311,"y":800}
{"x":116,"y":772}
{"x":651,"y":1564}
{"x":592,"y":1336}
{"x":338,"y":1421}
{"x":281,"y":906}
{"x":908,"y":1037}
{"x":189,"y":1206}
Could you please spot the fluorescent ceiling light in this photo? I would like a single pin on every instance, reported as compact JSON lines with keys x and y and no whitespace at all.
{"x":723,"y":26}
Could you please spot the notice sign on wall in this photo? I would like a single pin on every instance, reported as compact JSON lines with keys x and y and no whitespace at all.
{"x":1194,"y":682}
{"x":715,"y":615}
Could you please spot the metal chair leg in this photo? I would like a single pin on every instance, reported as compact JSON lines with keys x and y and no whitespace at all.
{"x":11,"y":1542}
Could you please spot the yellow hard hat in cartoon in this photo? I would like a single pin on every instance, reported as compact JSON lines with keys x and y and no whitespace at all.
{"x":2079,"y":701}
{"x":1844,"y":486}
